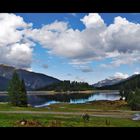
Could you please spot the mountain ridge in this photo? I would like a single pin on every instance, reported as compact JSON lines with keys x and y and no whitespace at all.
{"x":131,"y":82}
{"x":107,"y":82}
{"x":33,"y":80}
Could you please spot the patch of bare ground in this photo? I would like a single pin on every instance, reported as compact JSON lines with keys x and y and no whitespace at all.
{"x":28,"y":123}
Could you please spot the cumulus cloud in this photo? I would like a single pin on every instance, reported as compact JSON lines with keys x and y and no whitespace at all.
{"x":15,"y":49}
{"x":122,"y":35}
{"x":123,"y":59}
{"x":136,"y":72}
{"x":127,"y":58}
{"x":119,"y":41}
{"x":79,"y":46}
{"x":119,"y":75}
{"x":93,"y":20}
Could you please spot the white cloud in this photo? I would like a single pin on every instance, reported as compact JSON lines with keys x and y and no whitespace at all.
{"x":136,"y":72}
{"x":122,"y":36}
{"x":119,"y":75}
{"x":11,"y":28}
{"x":79,"y":46}
{"x":119,"y":41}
{"x":15,"y":49}
{"x":29,"y":69}
{"x":125,"y":58}
{"x":93,"y":20}
{"x":19,"y":55}
{"x":73,"y":14}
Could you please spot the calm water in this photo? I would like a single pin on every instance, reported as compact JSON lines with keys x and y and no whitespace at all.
{"x":75,"y":98}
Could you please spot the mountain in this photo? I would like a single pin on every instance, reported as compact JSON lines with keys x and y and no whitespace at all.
{"x":3,"y":83}
{"x":32,"y":80}
{"x":131,"y":83}
{"x":107,"y":82}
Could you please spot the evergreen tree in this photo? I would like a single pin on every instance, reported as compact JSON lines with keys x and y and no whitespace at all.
{"x":23,"y":95}
{"x":16,"y":91}
{"x":13,"y":89}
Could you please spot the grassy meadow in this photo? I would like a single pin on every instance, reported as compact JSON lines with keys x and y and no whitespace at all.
{"x":102,"y":114}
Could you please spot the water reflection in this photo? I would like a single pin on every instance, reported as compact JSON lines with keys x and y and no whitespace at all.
{"x":75,"y":98}
{"x":97,"y":97}
{"x":47,"y":104}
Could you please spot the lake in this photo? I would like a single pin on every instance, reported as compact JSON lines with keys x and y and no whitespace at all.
{"x":73,"y":98}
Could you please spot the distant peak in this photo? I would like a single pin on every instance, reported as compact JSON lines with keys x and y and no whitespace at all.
{"x":5,"y":65}
{"x":13,"y":67}
{"x":108,"y":81}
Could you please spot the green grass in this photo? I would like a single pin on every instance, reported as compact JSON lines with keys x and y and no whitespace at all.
{"x":65,"y":107}
{"x":10,"y":120}
{"x":99,"y":105}
{"x":46,"y":120}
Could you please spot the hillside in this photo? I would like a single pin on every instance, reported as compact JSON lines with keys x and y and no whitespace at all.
{"x":32,"y":80}
{"x":3,"y":83}
{"x":107,"y":82}
{"x":130,"y":83}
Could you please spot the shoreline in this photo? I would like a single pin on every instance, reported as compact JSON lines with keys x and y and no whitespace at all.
{"x":4,"y":93}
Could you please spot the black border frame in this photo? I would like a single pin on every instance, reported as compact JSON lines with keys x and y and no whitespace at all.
{"x":58,"y":6}
{"x":69,"y":6}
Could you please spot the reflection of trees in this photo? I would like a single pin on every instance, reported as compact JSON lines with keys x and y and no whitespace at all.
{"x":66,"y":97}
{"x":72,"y":97}
{"x":3,"y":98}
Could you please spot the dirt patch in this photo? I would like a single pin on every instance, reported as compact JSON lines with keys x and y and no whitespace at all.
{"x":55,"y":123}
{"x":29,"y":123}
{"x":117,"y":103}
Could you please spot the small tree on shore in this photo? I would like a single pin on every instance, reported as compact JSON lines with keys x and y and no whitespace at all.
{"x":16,"y":91}
{"x":23,"y":94}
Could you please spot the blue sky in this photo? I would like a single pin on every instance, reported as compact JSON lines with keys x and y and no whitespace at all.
{"x":92,"y":60}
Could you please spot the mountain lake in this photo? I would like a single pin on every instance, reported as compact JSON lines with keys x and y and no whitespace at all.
{"x":72,"y":98}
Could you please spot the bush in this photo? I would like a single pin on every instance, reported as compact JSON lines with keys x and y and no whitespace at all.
{"x":133,"y":100}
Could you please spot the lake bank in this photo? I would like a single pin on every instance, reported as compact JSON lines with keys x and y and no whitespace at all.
{"x":4,"y":93}
{"x":45,"y":98}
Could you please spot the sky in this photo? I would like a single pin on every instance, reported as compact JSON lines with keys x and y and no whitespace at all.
{"x":86,"y":47}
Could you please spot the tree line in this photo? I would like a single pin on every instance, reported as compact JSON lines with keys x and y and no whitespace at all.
{"x":132,"y":97}
{"x":130,"y":90}
{"x":67,"y":85}
{"x":131,"y":83}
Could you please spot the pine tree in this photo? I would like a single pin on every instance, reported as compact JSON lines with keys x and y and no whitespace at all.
{"x":13,"y":89}
{"x":23,"y":94}
{"x":16,"y":91}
